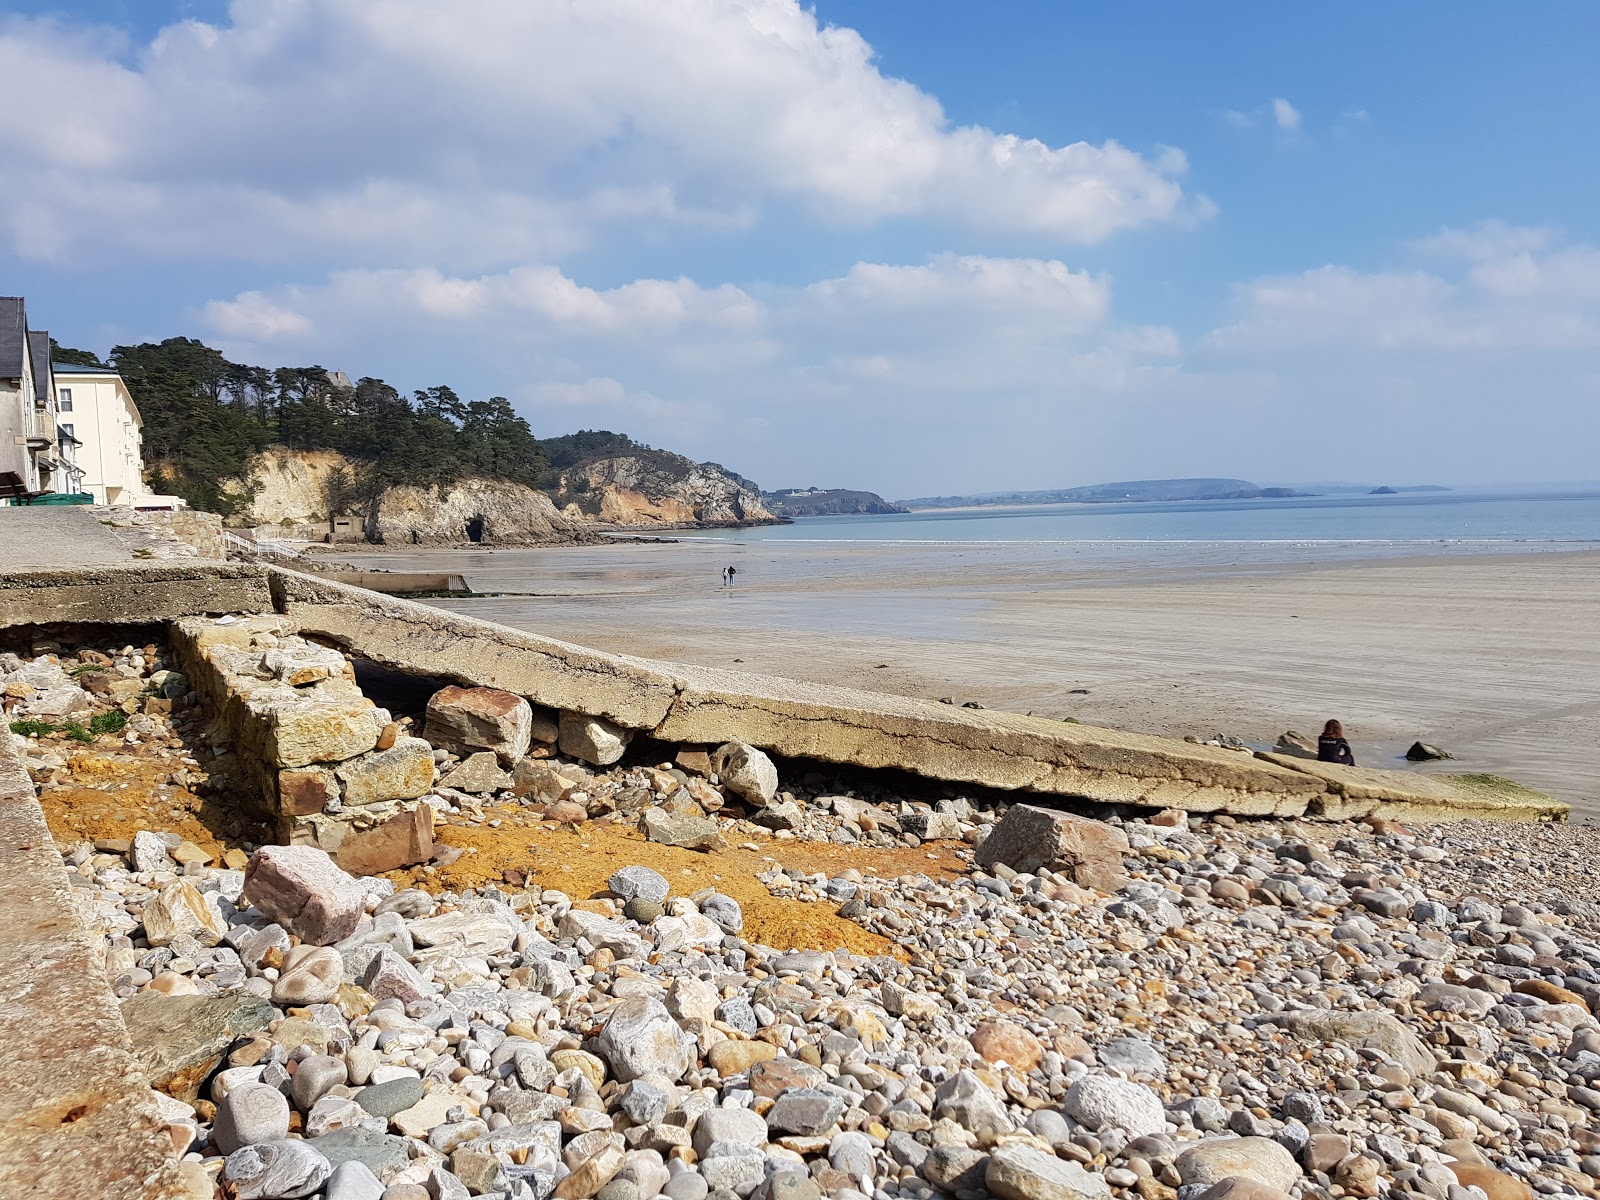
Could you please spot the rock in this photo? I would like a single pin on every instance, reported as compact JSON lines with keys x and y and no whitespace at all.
{"x":302,"y":889}
{"x":793,"y":1185}
{"x":955,"y":1169}
{"x":602,"y":933}
{"x":643,"y":911}
{"x":684,"y":830}
{"x":149,"y":852}
{"x":381,"y":1153}
{"x":311,"y":975}
{"x":1364,"y":1030}
{"x":388,"y":975}
{"x":645,"y":1102}
{"x":314,"y":1077}
{"x":641,"y":1038}
{"x":1496,"y":1184}
{"x":466,"y":933}
{"x":180,"y":1040}
{"x":1543,"y":989}
{"x":593,"y":739}
{"x":1212,"y":1160}
{"x":179,"y":910}
{"x":1240,"y":1188}
{"x":1029,"y":837}
{"x":931,"y":826}
{"x":387,"y":1099}
{"x":1007,"y":1042}
{"x":1296,"y":745}
{"x":478,"y":775}
{"x":780,"y":814}
{"x":1023,"y":1173}
{"x":303,"y":663}
{"x":591,"y":1172}
{"x":724,"y":912}
{"x":465,"y":720}
{"x":1133,"y":1056}
{"x":1105,"y":1102}
{"x":276,"y":1170}
{"x":353,"y":1181}
{"x":303,"y":790}
{"x":639,"y":883}
{"x":967,"y":1100}
{"x":747,"y":772}
{"x":300,"y":734}
{"x":808,"y":1112}
{"x":402,"y":772}
{"x":735,"y":1058}
{"x":738,"y":1126}
{"x":250,"y":1113}
{"x":1423,"y":752}
{"x":903,"y":1002}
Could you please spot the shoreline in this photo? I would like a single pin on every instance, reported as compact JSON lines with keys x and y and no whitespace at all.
{"x":1494,"y":656}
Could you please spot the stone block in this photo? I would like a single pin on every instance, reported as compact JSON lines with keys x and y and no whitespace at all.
{"x":402,"y":772}
{"x":593,"y":739}
{"x":304,"y":890}
{"x":468,"y":719}
{"x":303,"y":790}
{"x":367,"y":840}
{"x":478,"y":775}
{"x":180,"y":1040}
{"x":1028,"y":838}
{"x":297,"y":735}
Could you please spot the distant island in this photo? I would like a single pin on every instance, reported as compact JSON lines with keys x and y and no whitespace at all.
{"x":1135,"y":491}
{"x":827,"y":502}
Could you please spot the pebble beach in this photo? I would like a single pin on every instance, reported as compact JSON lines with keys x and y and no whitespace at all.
{"x":1242,"y":1007}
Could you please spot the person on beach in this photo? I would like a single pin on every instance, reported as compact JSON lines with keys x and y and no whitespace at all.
{"x":725,"y":571}
{"x":1331,"y":746}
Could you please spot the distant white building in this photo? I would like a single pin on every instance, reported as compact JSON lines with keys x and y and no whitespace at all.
{"x":94,"y":406}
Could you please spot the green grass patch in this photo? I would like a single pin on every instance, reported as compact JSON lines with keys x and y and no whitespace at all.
{"x":33,"y":727}
{"x":113,"y":721}
{"x":83,"y":669}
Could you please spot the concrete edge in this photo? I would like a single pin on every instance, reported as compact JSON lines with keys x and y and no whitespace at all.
{"x":78,"y":1114}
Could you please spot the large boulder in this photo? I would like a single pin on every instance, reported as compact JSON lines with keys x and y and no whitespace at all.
{"x":469,"y":719}
{"x":180,"y":1040}
{"x":641,"y":1038}
{"x":1361,"y":1030}
{"x":747,"y":772}
{"x":593,"y":739}
{"x":1028,"y":838}
{"x":303,"y":890}
{"x":1257,"y":1158}
{"x":1106,"y":1102}
{"x":1018,"y":1172}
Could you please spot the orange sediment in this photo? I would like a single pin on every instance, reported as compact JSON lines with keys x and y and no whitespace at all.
{"x":579,"y":860}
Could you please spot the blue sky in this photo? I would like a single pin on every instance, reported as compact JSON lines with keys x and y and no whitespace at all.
{"x":909,"y":245}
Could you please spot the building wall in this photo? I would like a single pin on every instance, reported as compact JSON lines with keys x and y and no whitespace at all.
{"x":16,"y":423}
{"x":102,"y":418}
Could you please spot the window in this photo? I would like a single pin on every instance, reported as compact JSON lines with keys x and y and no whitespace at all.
{"x":64,"y":399}
{"x":66,"y":429}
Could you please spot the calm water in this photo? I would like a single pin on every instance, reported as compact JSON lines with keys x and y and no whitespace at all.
{"x":1368,"y":524}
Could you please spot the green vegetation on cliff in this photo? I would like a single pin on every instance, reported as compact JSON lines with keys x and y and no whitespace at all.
{"x":204,"y":416}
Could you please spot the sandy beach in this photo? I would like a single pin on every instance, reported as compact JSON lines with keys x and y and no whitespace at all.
{"x":1494,"y":657}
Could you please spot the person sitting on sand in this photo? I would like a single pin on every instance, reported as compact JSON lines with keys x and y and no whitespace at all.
{"x":1331,"y":746}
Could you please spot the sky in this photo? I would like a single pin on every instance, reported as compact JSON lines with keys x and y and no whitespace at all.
{"x":912,"y":246}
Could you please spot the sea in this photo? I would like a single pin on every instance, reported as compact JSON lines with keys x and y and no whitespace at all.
{"x":1339,"y":526}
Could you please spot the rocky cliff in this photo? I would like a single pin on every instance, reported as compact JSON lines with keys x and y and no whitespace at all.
{"x":661,"y":489}
{"x":288,"y":490}
{"x":489,"y":511}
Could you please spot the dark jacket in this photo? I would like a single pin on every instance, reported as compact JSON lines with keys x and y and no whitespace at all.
{"x":1335,"y":750}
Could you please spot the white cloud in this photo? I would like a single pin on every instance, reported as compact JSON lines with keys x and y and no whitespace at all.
{"x":251,"y":317}
{"x":1493,"y":287}
{"x":493,"y":131}
{"x":1284,"y":114}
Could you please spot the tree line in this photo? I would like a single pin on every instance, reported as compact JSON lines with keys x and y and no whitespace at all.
{"x":204,"y":417}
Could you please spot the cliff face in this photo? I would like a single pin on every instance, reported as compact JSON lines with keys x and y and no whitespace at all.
{"x":489,"y":511}
{"x":660,"y":489}
{"x":289,"y":489}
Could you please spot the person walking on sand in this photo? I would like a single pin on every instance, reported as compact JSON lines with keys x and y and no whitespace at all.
{"x":1331,"y":746}
{"x":724,"y":576}
{"x":731,"y":573}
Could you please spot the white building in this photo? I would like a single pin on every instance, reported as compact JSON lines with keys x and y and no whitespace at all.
{"x":94,"y":407}
{"x":31,"y":450}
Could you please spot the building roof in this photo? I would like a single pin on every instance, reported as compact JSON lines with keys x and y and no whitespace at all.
{"x":13,"y":336}
{"x":61,"y":368}
{"x":39,"y":351}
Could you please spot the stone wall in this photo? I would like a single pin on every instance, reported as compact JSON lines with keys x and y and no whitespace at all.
{"x":328,"y":766}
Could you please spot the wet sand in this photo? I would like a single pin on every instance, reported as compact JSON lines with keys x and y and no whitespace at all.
{"x":1494,"y":657}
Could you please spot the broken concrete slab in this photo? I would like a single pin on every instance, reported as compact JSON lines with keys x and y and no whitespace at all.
{"x":79,"y":1115}
{"x":133,"y":594}
{"x":1355,"y":792}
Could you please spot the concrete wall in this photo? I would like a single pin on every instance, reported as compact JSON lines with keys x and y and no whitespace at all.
{"x":79,"y":1117}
